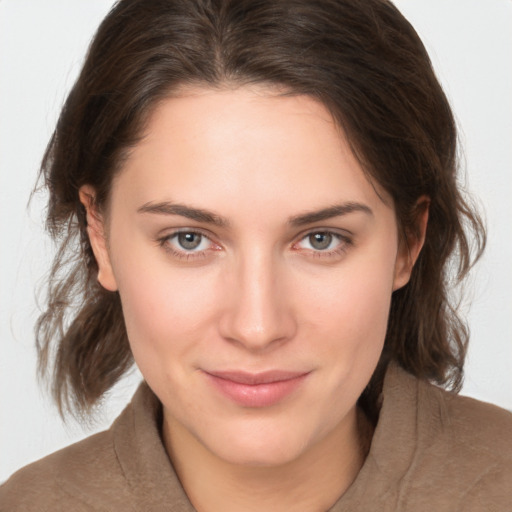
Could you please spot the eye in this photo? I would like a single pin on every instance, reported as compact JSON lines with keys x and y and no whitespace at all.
{"x":321,"y":241}
{"x":190,"y":241}
{"x":323,"y":244}
{"x":187,"y":244}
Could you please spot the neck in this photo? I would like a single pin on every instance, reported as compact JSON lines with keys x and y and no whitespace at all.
{"x":313,"y":482}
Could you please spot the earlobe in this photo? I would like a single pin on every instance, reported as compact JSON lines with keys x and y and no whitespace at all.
{"x":411,"y":244}
{"x":97,"y":238}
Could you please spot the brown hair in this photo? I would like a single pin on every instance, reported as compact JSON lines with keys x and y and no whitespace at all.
{"x":361,"y":58}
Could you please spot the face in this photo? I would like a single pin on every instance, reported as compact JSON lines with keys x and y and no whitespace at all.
{"x":255,"y":263}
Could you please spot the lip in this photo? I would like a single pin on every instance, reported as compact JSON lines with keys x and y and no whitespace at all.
{"x":256,"y":389}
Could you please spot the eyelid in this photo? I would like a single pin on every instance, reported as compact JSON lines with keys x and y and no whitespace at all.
{"x":169,"y":232}
{"x":344,"y":234}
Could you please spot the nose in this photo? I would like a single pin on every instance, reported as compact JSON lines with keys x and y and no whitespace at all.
{"x":259,"y":314}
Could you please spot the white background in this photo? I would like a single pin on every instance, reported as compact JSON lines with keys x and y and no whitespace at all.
{"x":42,"y":44}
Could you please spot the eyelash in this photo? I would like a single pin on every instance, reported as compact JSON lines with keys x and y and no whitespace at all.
{"x":344,"y":243}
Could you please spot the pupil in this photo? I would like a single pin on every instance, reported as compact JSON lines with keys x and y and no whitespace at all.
{"x":189,"y":240}
{"x":320,"y":241}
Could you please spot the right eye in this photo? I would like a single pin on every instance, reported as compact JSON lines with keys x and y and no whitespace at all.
{"x":186,"y":244}
{"x":190,"y":241}
{"x":322,"y":241}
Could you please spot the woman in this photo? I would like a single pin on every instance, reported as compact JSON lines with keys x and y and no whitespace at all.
{"x":265,"y":198}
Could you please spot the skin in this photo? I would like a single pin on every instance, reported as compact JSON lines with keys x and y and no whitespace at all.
{"x":257,"y":293}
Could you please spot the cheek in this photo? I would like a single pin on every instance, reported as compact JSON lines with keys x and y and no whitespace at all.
{"x":347,"y":316}
{"x":165,"y":310}
{"x":354,"y":301}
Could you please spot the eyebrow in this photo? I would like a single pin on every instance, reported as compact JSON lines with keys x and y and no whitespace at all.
{"x":202,"y":215}
{"x":329,"y":213}
{"x":197,"y":214}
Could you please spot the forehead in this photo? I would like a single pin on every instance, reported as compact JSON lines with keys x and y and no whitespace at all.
{"x":244,"y":145}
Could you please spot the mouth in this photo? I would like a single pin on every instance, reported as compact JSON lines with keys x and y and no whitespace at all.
{"x":256,"y":389}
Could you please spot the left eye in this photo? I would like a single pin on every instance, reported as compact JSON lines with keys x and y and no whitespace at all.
{"x":320,"y":241}
{"x":189,"y":241}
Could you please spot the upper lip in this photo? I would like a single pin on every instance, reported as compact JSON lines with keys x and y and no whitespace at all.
{"x":250,"y":378}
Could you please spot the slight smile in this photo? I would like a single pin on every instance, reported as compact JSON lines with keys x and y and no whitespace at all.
{"x":256,"y":389}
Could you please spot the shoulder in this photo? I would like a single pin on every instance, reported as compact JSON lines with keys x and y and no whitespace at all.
{"x":434,"y":448}
{"x":79,"y":478}
{"x":467,"y":447}
{"x":482,"y":428}
{"x":125,"y":468}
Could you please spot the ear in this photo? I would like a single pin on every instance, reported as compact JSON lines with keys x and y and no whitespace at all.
{"x":411,"y":244}
{"x":97,"y":236}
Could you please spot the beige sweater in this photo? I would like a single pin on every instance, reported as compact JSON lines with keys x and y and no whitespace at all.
{"x":431,"y":451}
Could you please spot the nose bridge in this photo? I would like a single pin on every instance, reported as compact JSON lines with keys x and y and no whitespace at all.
{"x":260,"y":313}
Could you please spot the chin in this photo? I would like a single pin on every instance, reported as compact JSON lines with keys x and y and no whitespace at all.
{"x":256,"y":455}
{"x":260,"y":444}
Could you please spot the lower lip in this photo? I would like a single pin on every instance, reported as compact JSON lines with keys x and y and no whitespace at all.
{"x":256,"y":395}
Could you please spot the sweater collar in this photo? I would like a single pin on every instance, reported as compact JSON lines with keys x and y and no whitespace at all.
{"x":142,"y":456}
{"x":155,"y":485}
